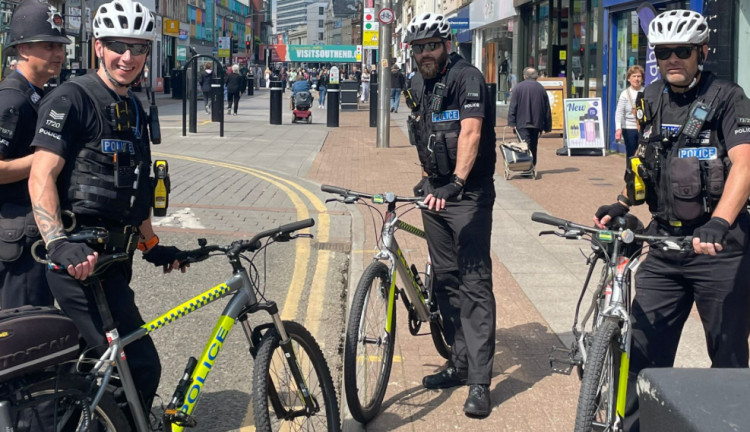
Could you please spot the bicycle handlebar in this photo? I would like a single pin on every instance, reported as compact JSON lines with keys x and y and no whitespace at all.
{"x":680,"y":243}
{"x":351,"y":196}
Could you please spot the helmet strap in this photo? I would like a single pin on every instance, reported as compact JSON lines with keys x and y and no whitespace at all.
{"x":114,"y":81}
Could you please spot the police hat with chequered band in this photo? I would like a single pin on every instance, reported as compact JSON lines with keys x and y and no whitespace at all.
{"x":33,"y":21}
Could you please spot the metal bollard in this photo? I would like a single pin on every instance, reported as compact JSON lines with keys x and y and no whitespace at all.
{"x":275,"y":114}
{"x":250,"y":85}
{"x":332,"y":114}
{"x":217,"y":100}
{"x":373,"y":106}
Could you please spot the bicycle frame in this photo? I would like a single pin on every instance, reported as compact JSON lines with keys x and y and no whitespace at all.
{"x":392,"y":252}
{"x":243,"y":302}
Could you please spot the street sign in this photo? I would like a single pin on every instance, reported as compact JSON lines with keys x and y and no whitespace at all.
{"x":369,"y":20}
{"x":386,"y":16}
{"x":459,"y":23}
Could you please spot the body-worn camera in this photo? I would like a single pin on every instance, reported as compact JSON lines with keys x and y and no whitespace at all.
{"x":438,"y":95}
{"x":125,"y":174}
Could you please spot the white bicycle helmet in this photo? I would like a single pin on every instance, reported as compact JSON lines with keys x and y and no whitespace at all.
{"x":124,"y":19}
{"x":678,"y":27}
{"x":426,"y":26}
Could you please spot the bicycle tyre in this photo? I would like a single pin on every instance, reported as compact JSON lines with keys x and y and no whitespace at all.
{"x":364,"y":397}
{"x":436,"y":329}
{"x":273,"y":382}
{"x":33,"y":412}
{"x":600,"y":375}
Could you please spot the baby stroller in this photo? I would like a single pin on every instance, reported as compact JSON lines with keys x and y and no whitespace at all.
{"x":301,"y":103}
{"x":517,"y":157}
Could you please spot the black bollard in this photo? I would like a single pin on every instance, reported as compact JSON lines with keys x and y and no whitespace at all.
{"x":250,"y":85}
{"x":373,"y":106}
{"x":492,"y":90}
{"x":193,"y":95}
{"x":276,"y":90}
{"x":332,"y":94}
{"x":217,"y":100}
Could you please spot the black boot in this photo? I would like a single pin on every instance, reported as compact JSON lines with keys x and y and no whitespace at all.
{"x":478,"y":402}
{"x":447,"y":378}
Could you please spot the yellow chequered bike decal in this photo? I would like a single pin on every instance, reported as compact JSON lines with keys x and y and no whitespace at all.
{"x":189,"y":306}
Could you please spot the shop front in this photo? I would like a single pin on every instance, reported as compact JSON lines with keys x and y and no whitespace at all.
{"x":627,"y":27}
{"x":492,"y":23}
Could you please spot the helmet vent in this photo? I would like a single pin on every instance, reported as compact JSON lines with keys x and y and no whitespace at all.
{"x":123,"y":22}
{"x":108,"y":23}
{"x":119,"y":7}
{"x":138,"y":23}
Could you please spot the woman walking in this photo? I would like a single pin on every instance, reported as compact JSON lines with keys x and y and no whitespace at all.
{"x":627,"y":130}
{"x":235,"y":85}
{"x":322,"y":84}
{"x":365,"y":86}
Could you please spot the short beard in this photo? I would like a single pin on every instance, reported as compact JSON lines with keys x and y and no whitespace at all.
{"x":430,"y":71}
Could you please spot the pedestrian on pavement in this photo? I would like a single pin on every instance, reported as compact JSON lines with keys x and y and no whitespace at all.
{"x":716,"y":277}
{"x":365,"y":86}
{"x":13,"y":63}
{"x":529,"y":111}
{"x":92,"y":128}
{"x":458,"y":185}
{"x":235,"y":82}
{"x":205,"y":83}
{"x":398,"y":81}
{"x":322,"y":84}
{"x":38,"y":36}
{"x":258,"y":72}
{"x":267,"y":77}
{"x":626,"y":126}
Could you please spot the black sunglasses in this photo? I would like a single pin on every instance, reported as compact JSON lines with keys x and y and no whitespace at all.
{"x":683,"y":52}
{"x":429,"y":46}
{"x":135,"y":49}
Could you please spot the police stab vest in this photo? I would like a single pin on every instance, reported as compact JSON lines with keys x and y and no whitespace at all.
{"x":684,"y":176}
{"x":101,"y":186}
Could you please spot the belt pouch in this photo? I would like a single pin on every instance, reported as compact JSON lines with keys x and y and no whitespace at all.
{"x":686,"y":188}
{"x":17,"y":228}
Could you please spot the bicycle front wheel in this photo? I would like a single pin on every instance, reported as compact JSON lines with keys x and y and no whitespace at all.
{"x":61,"y":404}
{"x":277,"y":398}
{"x":368,"y":350}
{"x":437,"y":329}
{"x":597,"y":400}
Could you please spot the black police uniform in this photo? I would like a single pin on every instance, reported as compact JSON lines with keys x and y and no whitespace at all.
{"x":458,"y":237}
{"x":682,"y":191}
{"x":22,"y":279}
{"x":80,"y":124}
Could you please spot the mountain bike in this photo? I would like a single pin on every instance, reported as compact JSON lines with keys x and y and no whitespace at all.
{"x":292,"y":385}
{"x":601,"y":347}
{"x":371,"y":329}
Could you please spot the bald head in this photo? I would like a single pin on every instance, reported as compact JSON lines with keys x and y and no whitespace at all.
{"x":530,"y":72}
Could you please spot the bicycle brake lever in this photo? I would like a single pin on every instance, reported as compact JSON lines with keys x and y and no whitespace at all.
{"x":541,"y":233}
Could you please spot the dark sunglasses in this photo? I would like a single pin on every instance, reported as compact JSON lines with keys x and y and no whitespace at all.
{"x":429,"y":46}
{"x":683,"y":52}
{"x":135,"y":49}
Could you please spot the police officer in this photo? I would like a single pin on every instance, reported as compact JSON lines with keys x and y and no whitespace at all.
{"x":695,"y":154}
{"x":92,"y":157}
{"x":37,"y":33}
{"x":450,"y":125}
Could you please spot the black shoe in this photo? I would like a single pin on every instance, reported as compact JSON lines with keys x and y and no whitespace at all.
{"x":478,"y":402}
{"x":391,"y":109}
{"x":449,"y":377}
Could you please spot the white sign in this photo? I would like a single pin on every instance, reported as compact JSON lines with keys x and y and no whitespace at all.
{"x":584,"y":121}
{"x":225,"y":43}
{"x":386,"y":16}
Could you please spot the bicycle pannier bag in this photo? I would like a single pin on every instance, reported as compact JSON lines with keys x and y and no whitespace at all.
{"x":33,"y":338}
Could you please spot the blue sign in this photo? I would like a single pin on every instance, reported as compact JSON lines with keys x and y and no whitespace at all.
{"x":445,"y":116}
{"x":459,"y":23}
{"x":702,"y":153}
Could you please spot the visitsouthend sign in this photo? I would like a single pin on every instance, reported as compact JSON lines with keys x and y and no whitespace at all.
{"x":322,"y":53}
{"x":459,"y":23}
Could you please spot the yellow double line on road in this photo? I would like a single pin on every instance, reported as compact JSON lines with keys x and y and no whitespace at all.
{"x":317,"y":289}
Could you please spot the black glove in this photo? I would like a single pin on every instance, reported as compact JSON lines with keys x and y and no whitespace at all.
{"x":451,"y":190}
{"x":64,"y":253}
{"x":713,"y":231}
{"x":161,"y":255}
{"x":612,"y":210}
{"x":419,"y":187}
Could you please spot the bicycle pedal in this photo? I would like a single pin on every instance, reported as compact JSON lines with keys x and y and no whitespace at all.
{"x":563,"y":360}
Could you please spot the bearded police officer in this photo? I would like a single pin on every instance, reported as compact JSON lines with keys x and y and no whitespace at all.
{"x":450,"y":125}
{"x":92,"y":157}
{"x":695,"y":165}
{"x":36,"y":32}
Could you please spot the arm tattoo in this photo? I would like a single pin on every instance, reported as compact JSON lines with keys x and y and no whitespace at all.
{"x":49,"y":222}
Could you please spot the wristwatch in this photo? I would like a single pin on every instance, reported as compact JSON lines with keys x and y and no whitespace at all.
{"x":148,"y":244}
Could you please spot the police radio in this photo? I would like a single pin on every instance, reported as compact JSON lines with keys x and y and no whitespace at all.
{"x":699,"y":114}
{"x":162,"y":187}
{"x":153,"y":118}
{"x":438,"y":94}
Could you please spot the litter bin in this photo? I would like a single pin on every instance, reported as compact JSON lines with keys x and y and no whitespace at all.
{"x":177,"y":83}
{"x":348,"y":94}
{"x":250,"y":84}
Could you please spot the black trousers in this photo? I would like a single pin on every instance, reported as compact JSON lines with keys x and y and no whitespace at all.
{"x":233,"y":98}
{"x":667,"y":285}
{"x":77,"y":301}
{"x":531,"y":136}
{"x":24,"y":282}
{"x":458,"y":239}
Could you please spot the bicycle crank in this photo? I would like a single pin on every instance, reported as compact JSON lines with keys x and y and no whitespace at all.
{"x":414,"y":323}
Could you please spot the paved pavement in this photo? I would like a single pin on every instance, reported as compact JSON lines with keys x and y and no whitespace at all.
{"x":536,"y":279}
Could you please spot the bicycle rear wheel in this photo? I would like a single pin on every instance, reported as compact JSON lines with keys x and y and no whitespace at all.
{"x":597,"y":401}
{"x":59,"y":404}
{"x":277,"y":399}
{"x":368,"y":350}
